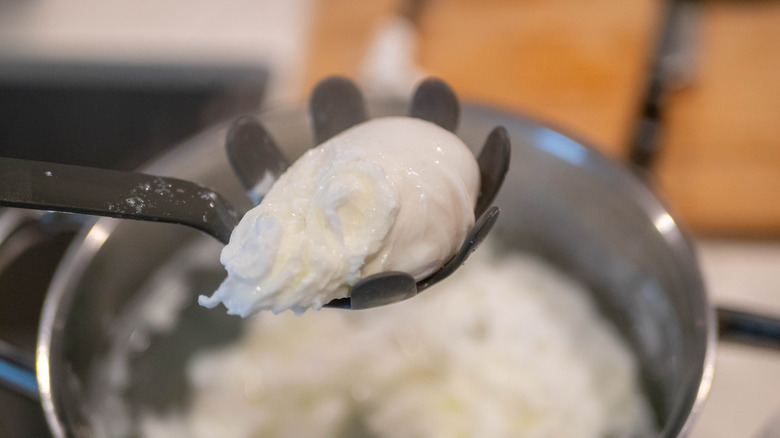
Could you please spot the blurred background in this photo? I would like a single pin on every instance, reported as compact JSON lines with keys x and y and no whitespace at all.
{"x":687,"y":93}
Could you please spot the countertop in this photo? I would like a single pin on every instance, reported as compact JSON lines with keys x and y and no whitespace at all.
{"x":745,"y":397}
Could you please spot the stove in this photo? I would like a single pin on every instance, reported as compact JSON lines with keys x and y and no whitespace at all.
{"x":108,"y":116}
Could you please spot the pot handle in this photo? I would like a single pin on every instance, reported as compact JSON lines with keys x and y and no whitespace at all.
{"x":20,"y":231}
{"x":748,"y":328}
{"x":672,"y":67}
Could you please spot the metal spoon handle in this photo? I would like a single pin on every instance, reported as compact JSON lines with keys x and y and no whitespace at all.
{"x":111,"y":193}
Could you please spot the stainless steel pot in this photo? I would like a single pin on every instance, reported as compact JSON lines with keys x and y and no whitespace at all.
{"x":561,"y":200}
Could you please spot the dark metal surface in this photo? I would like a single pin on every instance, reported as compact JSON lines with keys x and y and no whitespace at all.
{"x":115,"y":115}
{"x":111,"y":193}
{"x":21,"y":416}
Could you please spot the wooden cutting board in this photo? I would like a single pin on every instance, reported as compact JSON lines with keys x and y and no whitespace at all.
{"x":720,"y":166}
{"x":581,"y":65}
